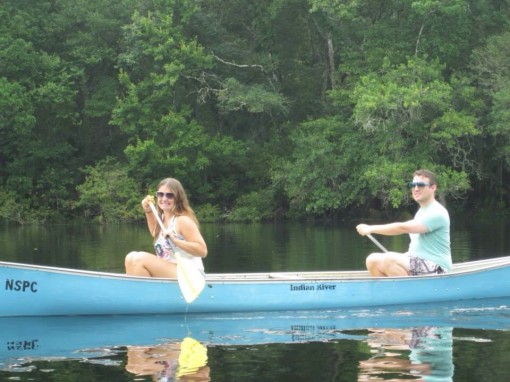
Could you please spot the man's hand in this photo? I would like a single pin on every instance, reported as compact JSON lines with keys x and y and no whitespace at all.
{"x":363,"y":229}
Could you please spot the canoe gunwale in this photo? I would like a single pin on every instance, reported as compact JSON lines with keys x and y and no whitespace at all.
{"x":271,"y":277}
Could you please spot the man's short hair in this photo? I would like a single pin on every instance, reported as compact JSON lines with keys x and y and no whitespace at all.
{"x":426,"y":174}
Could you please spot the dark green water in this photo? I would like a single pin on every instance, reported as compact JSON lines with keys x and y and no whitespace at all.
{"x":470,"y":354}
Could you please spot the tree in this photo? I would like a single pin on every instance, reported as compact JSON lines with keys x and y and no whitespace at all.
{"x":156,"y":110}
{"x":491,"y":65}
{"x":107,"y":193}
{"x":54,"y":62}
{"x":417,"y":118}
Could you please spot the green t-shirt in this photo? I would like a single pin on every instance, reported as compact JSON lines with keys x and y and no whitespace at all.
{"x":435,"y":244}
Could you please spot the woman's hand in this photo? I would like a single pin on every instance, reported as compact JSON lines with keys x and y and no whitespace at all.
{"x":146,"y":203}
{"x":170,"y":233}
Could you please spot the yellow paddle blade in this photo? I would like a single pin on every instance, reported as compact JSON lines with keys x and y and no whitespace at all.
{"x":192,"y":357}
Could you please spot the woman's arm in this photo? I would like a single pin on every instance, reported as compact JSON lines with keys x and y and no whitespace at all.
{"x":193,"y":242}
{"x":151,"y":219}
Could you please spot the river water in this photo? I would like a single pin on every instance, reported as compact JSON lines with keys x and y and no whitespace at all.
{"x":455,"y":342}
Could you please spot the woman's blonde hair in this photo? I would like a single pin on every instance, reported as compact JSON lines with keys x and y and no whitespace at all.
{"x":181,"y":204}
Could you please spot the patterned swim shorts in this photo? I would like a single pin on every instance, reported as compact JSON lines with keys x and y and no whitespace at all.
{"x":419,"y":266}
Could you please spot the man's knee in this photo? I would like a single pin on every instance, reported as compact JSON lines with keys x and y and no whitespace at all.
{"x":369,"y":261}
{"x":373,"y":259}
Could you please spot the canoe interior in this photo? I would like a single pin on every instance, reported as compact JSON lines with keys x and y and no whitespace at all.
{"x":471,"y":266}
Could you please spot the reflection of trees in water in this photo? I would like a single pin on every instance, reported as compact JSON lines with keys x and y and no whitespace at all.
{"x":419,"y":354}
{"x":179,"y":361}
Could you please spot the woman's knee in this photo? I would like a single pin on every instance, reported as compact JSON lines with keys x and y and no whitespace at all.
{"x":135,"y":264}
{"x":133,"y":258}
{"x":130,"y":257}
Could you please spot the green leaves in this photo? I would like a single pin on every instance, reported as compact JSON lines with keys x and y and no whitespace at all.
{"x":314,"y":177}
{"x":318,"y":107}
{"x":255,"y":99}
{"x":408,"y":121}
{"x":414,"y":101}
{"x":403,"y":95}
{"x":107,"y":193}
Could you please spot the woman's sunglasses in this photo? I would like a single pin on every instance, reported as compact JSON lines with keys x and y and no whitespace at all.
{"x":169,"y":195}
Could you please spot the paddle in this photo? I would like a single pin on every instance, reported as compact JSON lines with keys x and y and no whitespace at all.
{"x":191,"y":279}
{"x":374,"y":240}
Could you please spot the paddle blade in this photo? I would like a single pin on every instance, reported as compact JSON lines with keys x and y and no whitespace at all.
{"x":192,"y":357}
{"x":191,"y":280}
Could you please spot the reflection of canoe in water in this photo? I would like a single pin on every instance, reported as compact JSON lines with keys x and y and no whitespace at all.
{"x":31,"y":290}
{"x":89,"y":336}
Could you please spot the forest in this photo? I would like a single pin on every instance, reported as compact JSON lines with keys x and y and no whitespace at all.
{"x":264,"y":110}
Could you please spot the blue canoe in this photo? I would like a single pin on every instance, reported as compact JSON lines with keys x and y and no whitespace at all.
{"x":30,"y":290}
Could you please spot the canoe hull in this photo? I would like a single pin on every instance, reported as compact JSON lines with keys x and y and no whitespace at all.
{"x":30,"y":290}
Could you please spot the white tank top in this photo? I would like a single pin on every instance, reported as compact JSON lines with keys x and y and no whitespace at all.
{"x":166,"y":248}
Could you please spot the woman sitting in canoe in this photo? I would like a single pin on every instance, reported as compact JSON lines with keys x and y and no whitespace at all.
{"x":181,"y":233}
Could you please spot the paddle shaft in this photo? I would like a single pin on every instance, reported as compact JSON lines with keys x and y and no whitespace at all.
{"x":160,"y":222}
{"x":374,"y":240}
{"x":155,"y":212}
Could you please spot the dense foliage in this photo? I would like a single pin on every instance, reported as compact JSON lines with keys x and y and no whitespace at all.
{"x":263,"y":109}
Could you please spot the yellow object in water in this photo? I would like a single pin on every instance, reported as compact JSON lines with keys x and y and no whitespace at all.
{"x":193,"y":356}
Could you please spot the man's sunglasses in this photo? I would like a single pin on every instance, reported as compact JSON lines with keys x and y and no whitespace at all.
{"x":169,"y":195}
{"x":412,"y":185}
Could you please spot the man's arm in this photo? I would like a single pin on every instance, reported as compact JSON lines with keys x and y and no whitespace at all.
{"x":390,"y":229}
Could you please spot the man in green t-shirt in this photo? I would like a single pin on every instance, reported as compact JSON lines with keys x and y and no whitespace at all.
{"x":429,"y":250}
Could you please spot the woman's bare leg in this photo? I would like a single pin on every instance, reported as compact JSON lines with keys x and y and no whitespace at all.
{"x":148,"y":265}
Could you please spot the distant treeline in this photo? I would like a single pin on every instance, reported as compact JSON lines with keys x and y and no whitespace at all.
{"x":263,"y":109}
